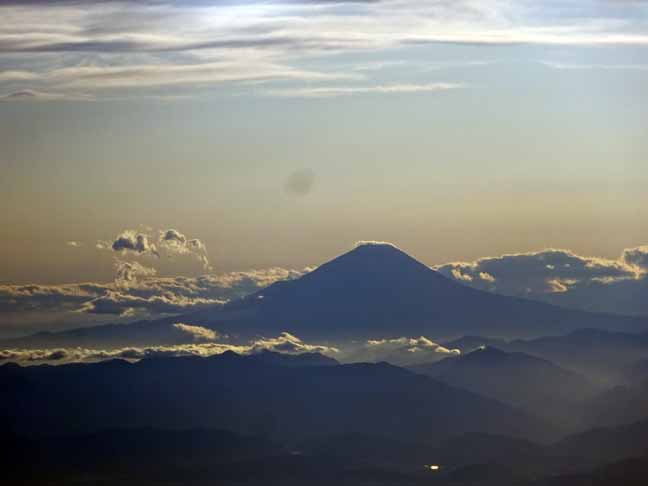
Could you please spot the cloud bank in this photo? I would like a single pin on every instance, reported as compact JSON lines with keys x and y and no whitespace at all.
{"x":285,"y":343}
{"x":563,"y":277}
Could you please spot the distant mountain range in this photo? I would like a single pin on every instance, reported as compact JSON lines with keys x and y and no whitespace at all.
{"x":265,"y":395}
{"x":373,"y":291}
{"x":518,"y":379}
{"x":603,"y":356}
{"x":276,"y":419}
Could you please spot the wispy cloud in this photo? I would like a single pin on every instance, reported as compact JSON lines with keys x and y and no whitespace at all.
{"x":33,"y":95}
{"x":335,"y":91}
{"x":586,"y":67}
{"x":106,"y":45}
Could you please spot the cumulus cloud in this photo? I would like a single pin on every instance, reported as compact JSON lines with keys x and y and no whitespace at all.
{"x":128,"y":272}
{"x":400,"y":351}
{"x":176,"y":243}
{"x":284,"y":343}
{"x":546,"y":271}
{"x":135,"y":242}
{"x":198,"y":333}
{"x":617,"y":286}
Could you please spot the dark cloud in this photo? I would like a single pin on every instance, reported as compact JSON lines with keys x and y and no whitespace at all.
{"x":300,"y":182}
{"x":132,"y":241}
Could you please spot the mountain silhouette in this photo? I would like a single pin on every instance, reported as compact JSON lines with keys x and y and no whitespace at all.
{"x":521,"y":380}
{"x":377,"y":290}
{"x":251,"y":396}
{"x":372,"y":291}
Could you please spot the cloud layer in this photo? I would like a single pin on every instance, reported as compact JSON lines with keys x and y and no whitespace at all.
{"x":563,"y":277}
{"x":56,"y":50}
{"x":284,"y":343}
{"x":138,"y":291}
{"x":400,"y":351}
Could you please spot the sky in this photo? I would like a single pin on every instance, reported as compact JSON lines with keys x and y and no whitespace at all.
{"x":276,"y":134}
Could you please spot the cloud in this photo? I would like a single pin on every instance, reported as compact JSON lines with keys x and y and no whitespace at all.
{"x":128,"y":272}
{"x":546,"y":271}
{"x":373,"y":243}
{"x":336,"y":91}
{"x":300,"y":182}
{"x":288,"y":343}
{"x":198,"y":333}
{"x":74,"y":244}
{"x":637,"y":257}
{"x":400,"y":351}
{"x":34,"y":95}
{"x":590,"y":67}
{"x":16,"y":75}
{"x":175,"y":243}
{"x":562,"y":277}
{"x":108,"y":45}
{"x":284,"y":343}
{"x":137,"y":290}
{"x":135,"y":242}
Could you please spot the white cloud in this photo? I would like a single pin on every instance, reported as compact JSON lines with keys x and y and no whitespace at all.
{"x":137,"y":289}
{"x":35,"y":95}
{"x":600,"y":67}
{"x":284,"y":343}
{"x":616,"y":286}
{"x":288,"y":343}
{"x":546,"y":271}
{"x":336,"y":91}
{"x":181,"y":45}
{"x":199,"y":333}
{"x":399,"y":351}
{"x":175,"y":243}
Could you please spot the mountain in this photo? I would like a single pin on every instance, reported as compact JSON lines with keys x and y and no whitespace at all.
{"x":603,"y":356}
{"x":600,"y":354}
{"x":604,"y":444}
{"x":620,"y":405}
{"x":373,"y":291}
{"x":250,"y":396}
{"x":377,"y":290}
{"x":521,"y":380}
{"x":144,"y":456}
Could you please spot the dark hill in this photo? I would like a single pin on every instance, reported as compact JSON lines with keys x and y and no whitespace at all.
{"x":252,"y":397}
{"x":535,"y":384}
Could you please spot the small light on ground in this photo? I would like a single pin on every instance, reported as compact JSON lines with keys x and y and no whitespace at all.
{"x":432,"y":467}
